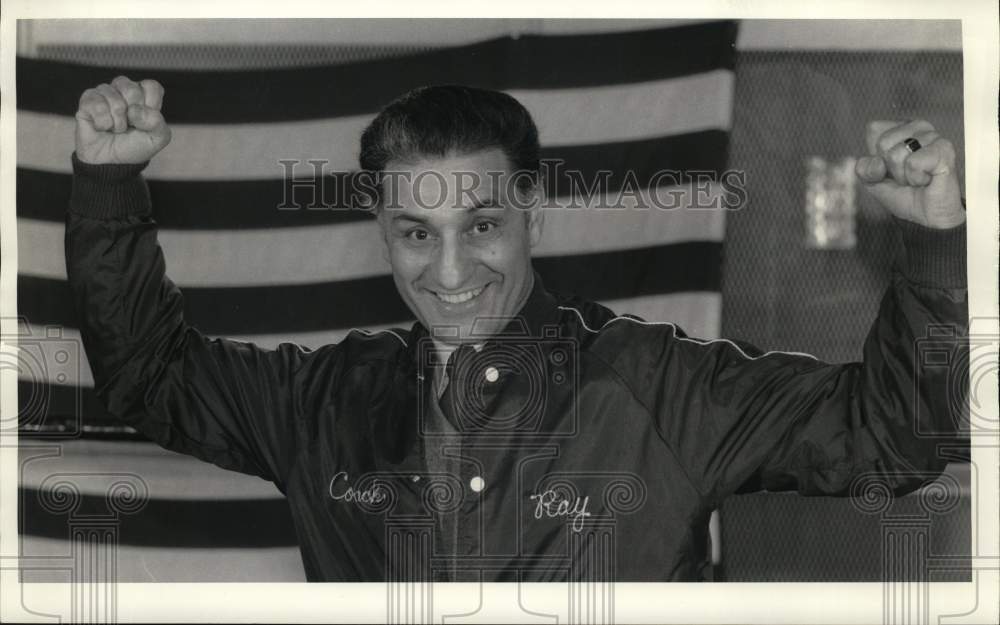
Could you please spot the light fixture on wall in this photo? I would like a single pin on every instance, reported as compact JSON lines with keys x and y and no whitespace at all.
{"x":830,"y":205}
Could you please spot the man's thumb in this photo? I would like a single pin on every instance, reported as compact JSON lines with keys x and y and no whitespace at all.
{"x":870,"y":169}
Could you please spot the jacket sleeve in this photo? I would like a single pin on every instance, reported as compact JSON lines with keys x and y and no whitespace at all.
{"x":740,"y":419}
{"x":226,"y":402}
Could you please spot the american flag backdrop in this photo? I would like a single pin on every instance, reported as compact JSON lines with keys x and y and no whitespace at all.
{"x":634,"y":101}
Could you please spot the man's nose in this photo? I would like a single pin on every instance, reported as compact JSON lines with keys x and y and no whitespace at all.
{"x":453,"y":264}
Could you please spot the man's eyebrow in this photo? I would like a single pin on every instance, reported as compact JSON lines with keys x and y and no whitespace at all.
{"x":399,"y":218}
{"x":478,"y":205}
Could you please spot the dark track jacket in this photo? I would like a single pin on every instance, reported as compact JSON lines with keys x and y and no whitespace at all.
{"x":592,"y":447}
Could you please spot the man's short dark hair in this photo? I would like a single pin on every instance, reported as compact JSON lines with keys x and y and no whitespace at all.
{"x":451,"y":119}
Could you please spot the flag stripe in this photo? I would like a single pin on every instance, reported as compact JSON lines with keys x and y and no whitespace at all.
{"x":686,"y":266}
{"x":696,"y":312}
{"x":247,"y":151}
{"x":271,"y":257}
{"x":629,"y":104}
{"x":226,"y":97}
{"x":163,"y":563}
{"x":164,"y":473}
{"x":255,"y":203}
{"x":173,"y":522}
{"x":51,"y":406}
{"x":203,"y":205}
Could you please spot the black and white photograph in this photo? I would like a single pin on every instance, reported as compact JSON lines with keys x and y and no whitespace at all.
{"x":458,"y":318}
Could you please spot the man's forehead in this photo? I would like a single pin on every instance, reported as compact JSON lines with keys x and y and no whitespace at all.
{"x":466,"y":180}
{"x":492,"y":158}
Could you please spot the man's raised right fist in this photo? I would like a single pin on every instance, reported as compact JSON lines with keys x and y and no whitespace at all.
{"x":121,"y":122}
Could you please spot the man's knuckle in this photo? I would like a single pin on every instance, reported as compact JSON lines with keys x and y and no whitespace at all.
{"x":152,"y":88}
{"x":885,"y":143}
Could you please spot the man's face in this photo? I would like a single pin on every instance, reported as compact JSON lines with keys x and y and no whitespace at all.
{"x":459,"y":240}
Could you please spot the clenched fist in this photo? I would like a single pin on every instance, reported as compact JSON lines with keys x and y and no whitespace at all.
{"x":917,"y":180}
{"x":121,"y":123}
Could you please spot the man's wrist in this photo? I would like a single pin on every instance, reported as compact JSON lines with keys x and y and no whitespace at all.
{"x":949,"y":218}
{"x":108,"y":191}
{"x":934,"y":256}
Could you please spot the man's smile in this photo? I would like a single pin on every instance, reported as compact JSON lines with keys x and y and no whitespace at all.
{"x":460,"y":297}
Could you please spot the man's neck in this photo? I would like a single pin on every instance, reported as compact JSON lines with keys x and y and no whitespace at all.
{"x":444,"y":350}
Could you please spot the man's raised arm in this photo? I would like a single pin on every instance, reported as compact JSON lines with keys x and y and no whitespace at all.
{"x":225,"y":402}
{"x":738,"y":418}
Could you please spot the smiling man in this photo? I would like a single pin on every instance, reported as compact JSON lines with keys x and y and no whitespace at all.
{"x":457,"y":172}
{"x":468,"y":262}
{"x":511,"y":433}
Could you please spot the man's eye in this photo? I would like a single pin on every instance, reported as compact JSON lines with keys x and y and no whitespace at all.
{"x":484,"y":227}
{"x":417,"y":234}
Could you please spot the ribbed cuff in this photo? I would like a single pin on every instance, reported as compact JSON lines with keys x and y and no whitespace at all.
{"x":934,"y":256}
{"x":109,"y":191}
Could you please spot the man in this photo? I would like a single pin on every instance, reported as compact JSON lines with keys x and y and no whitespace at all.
{"x":511,"y":434}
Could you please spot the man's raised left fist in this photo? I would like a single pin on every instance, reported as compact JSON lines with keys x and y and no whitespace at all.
{"x":910,"y":169}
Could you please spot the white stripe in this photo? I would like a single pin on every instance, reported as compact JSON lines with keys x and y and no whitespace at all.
{"x":40,"y":359}
{"x":166,"y":474}
{"x":42,"y":559}
{"x":304,"y":255}
{"x":216,"y":258}
{"x":635,"y":111}
{"x":253,"y":151}
{"x":590,"y":229}
{"x":754,"y":34}
{"x":679,"y":338}
{"x":384,"y":31}
{"x":208,"y":152}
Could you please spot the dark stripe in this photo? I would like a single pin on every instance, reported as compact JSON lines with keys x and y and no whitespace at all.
{"x":641,"y":159}
{"x":528,"y":62}
{"x":686,"y":266}
{"x":242,"y":204}
{"x":207,"y":205}
{"x":59,"y":411}
{"x":659,"y":270}
{"x":210,"y":523}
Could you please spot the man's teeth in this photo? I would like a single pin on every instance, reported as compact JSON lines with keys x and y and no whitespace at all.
{"x":459,"y":297}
